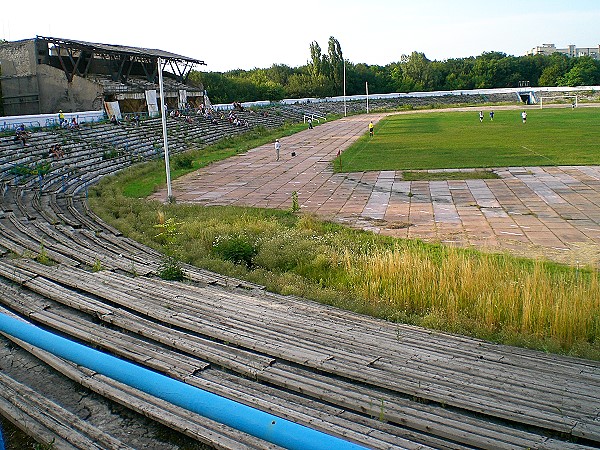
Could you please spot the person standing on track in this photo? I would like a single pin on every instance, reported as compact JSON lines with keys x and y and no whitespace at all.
{"x":277,"y":148}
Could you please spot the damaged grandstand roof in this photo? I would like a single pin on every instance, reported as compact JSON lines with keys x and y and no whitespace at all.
{"x":122,"y":50}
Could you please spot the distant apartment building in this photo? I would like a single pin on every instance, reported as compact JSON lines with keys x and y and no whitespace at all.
{"x":571,"y":51}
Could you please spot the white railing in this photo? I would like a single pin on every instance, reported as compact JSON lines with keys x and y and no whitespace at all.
{"x":48,"y":120}
{"x":313,"y":117}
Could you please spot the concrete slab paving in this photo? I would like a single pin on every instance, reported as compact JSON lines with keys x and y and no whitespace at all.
{"x":549,"y":212}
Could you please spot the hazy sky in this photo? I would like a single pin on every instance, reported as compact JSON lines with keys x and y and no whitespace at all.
{"x":231,"y":34}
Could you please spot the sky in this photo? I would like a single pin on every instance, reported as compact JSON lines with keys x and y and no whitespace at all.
{"x":247,"y":34}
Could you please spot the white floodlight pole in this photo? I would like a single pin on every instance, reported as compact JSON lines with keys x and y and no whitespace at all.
{"x":345,"y":111}
{"x":163,"y":114}
{"x":367,"y":89}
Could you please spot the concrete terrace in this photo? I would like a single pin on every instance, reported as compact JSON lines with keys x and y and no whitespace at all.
{"x":551,"y":212}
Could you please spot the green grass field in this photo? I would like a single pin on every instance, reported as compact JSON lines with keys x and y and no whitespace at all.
{"x":453,"y":140}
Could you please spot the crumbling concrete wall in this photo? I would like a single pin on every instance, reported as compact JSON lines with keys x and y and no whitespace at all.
{"x":56,"y":93}
{"x":18,"y":58}
{"x":20,"y":92}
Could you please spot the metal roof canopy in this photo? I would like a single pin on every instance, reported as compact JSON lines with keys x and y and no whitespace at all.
{"x":180,"y":65}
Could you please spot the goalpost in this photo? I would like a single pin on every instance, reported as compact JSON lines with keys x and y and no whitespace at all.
{"x":552,"y":99}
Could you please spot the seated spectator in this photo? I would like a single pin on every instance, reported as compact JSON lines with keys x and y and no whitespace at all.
{"x":56,"y":151}
{"x":73,"y":125}
{"x":136,"y":120}
{"x":21,"y":135}
{"x":114,"y":120}
{"x":214,"y":121}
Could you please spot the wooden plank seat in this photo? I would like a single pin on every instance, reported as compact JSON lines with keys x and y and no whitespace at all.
{"x":80,"y":327}
{"x":193,"y":425}
{"x":298,"y":380}
{"x":49,"y":421}
{"x":466,"y":392}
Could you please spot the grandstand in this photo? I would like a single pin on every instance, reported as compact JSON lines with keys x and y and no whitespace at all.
{"x":47,"y":74}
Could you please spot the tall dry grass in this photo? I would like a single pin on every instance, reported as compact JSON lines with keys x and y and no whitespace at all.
{"x":485,"y":293}
{"x":497,"y":297}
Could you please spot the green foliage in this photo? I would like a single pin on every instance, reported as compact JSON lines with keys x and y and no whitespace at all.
{"x":184,"y":161}
{"x":169,"y":230}
{"x":322,"y":76}
{"x":39,"y":169}
{"x":585,"y":72}
{"x":42,"y":257}
{"x":237,"y":249}
{"x":97,"y":266}
{"x":398,"y":280}
{"x":170,"y":269}
{"x":110,"y":154}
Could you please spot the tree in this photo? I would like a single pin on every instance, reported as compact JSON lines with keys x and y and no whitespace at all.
{"x":415,"y":74}
{"x":557,"y":65}
{"x":456,"y":74}
{"x":585,"y":72}
{"x":336,"y":61}
{"x":322,"y":76}
{"x":316,"y":62}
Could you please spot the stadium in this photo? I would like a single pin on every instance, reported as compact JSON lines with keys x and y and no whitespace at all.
{"x":100,"y":351}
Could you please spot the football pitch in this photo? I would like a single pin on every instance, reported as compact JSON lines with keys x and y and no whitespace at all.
{"x":454,"y":140}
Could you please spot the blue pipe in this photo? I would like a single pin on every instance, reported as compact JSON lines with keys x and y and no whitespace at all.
{"x":257,"y":423}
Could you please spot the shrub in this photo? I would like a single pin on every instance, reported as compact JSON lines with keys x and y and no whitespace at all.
{"x":183,"y":162}
{"x":236,"y":249}
{"x":171,"y":270}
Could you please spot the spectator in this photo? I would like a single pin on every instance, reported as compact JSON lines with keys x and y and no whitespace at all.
{"x":21,"y":135}
{"x":114,"y":120}
{"x":74,"y":125}
{"x":56,"y":151}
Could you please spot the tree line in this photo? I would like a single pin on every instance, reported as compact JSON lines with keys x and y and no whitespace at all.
{"x":322,"y":75}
